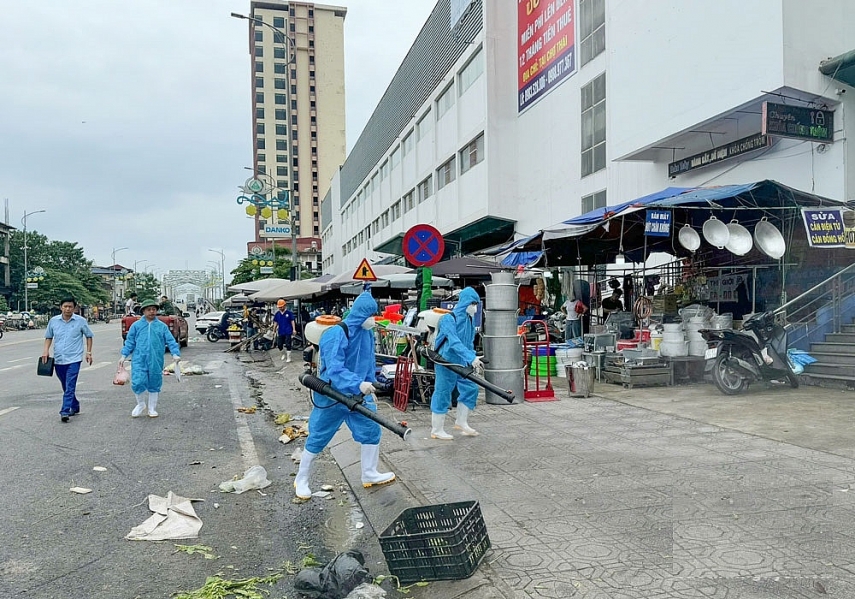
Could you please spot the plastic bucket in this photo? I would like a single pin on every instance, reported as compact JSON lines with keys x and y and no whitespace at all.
{"x":655,"y":340}
{"x":674,"y":348}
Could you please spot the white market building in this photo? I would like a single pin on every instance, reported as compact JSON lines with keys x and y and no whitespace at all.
{"x":629,"y":92}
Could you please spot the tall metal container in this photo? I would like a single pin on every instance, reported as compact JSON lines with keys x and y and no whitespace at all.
{"x":502,"y":345}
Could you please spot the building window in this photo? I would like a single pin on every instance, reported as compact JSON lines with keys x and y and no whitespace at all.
{"x":384,"y":219}
{"x":259,"y":35}
{"x":281,"y":144}
{"x":472,"y":154}
{"x":281,"y":114}
{"x":445,"y":174}
{"x":260,"y":143}
{"x":259,"y":51}
{"x":592,"y":29}
{"x":409,"y":201}
{"x":425,"y":188}
{"x":282,"y":171}
{"x":394,"y":159}
{"x":384,"y":170}
{"x":278,"y":52}
{"x":396,"y":210}
{"x":279,"y":21}
{"x":407,"y":144}
{"x":259,"y":66}
{"x":594,"y":126}
{"x":261,"y":168}
{"x":281,"y":157}
{"x":279,"y":83}
{"x":259,"y":97}
{"x":471,"y":72}
{"x":445,"y":101}
{"x":259,"y":128}
{"x":259,"y":82}
{"x":375,"y":182}
{"x":280,"y":68}
{"x":594,"y":201}
{"x":281,"y":130}
{"x":281,"y":183}
{"x":425,"y":125}
{"x":281,"y":99}
{"x":294,"y":107}
{"x":259,"y":113}
{"x":262,"y":158}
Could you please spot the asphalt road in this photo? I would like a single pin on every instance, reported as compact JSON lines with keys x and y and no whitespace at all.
{"x":55,"y":543}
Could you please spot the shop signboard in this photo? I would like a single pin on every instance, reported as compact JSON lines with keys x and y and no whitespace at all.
{"x":731,"y":150}
{"x":546,"y":47}
{"x":824,"y":227}
{"x":798,"y":122}
{"x":276,"y":231}
{"x":657,"y":223}
{"x":849,"y":228}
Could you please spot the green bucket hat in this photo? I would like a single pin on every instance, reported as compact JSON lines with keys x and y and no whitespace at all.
{"x":149,"y":302}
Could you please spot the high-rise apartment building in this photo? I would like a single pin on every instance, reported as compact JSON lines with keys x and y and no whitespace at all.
{"x":297,"y":58}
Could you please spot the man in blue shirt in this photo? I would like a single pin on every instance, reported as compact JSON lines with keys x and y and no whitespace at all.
{"x":283,"y":322}
{"x":66,"y":332}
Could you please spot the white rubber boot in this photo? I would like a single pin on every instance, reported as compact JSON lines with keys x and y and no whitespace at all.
{"x":370,"y":476}
{"x":462,"y":422}
{"x":288,"y":356}
{"x":152,"y":404}
{"x":137,"y":411}
{"x":437,"y":429}
{"x":301,"y":483}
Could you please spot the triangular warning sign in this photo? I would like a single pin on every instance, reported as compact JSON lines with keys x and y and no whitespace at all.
{"x":364,"y":272}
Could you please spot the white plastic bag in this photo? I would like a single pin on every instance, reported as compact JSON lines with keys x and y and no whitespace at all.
{"x":121,"y":377}
{"x":254,"y":478}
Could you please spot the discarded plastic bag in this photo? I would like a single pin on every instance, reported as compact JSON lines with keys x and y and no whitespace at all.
{"x":121,"y":377}
{"x":335,"y":580}
{"x":367,"y":591}
{"x":254,"y":478}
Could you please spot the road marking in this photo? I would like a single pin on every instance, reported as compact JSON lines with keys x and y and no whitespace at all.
{"x":7,"y":410}
{"x":34,"y":340}
{"x":98,"y":365}
{"x":247,"y":445}
{"x":12,"y":367}
{"x":21,"y":359}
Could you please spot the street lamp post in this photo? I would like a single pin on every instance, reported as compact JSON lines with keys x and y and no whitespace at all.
{"x":222,"y":270}
{"x":25,"y":248}
{"x":216,"y":274}
{"x":291,"y":52}
{"x":113,"y":266}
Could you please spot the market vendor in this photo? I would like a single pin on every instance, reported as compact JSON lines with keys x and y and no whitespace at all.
{"x":613,"y":303}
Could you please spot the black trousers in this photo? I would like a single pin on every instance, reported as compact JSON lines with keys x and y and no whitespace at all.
{"x":283,"y":341}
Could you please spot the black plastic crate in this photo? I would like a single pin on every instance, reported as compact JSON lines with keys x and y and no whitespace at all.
{"x":436,"y":542}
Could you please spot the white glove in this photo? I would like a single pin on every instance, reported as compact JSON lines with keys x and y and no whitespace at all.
{"x":477,"y":364}
{"x":122,"y":360}
{"x":366,"y":388}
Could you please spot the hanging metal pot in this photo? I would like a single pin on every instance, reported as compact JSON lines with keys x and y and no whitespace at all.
{"x":716,"y":232}
{"x":769,"y":239}
{"x":740,"y":239}
{"x":689,"y":238}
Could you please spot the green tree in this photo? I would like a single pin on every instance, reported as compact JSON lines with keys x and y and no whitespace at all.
{"x":67,"y":271}
{"x":4,"y":307}
{"x":145,"y":286}
{"x":246,"y":271}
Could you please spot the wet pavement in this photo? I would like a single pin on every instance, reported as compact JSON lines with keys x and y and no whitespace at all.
{"x":659,"y":492}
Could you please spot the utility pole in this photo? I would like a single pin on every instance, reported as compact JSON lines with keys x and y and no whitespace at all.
{"x":25,"y":248}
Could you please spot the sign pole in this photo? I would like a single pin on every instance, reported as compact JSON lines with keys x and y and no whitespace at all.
{"x":427,"y":283}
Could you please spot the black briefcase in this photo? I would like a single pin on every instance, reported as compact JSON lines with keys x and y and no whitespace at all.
{"x":45,"y":368}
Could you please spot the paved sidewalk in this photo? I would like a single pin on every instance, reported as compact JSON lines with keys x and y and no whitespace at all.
{"x":664,"y":492}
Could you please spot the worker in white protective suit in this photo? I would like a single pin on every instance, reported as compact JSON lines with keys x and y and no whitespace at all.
{"x":455,"y":342}
{"x":346,"y":361}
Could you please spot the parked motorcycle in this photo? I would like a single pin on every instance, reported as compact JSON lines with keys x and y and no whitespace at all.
{"x":216,"y":332}
{"x":737,"y":358}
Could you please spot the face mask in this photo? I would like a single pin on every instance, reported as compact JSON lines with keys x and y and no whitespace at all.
{"x":472,"y":309}
{"x":368,"y":324}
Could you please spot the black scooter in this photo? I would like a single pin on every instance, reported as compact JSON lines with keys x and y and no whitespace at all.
{"x":737,"y":358}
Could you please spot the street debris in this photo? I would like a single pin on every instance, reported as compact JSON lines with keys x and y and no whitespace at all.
{"x":203,"y":550}
{"x":282,"y":419}
{"x":186,"y":368}
{"x":327,"y":488}
{"x":254,"y":478}
{"x":173,"y":518}
{"x":99,"y":469}
{"x":322,"y":494}
{"x":80,"y":490}
{"x":367,"y":591}
{"x":296,"y":456}
{"x":250,"y":410}
{"x":217,"y":587}
{"x":337,"y":579}
{"x":298,"y":429}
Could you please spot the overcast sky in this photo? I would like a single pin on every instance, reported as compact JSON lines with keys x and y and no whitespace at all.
{"x":129,"y":121}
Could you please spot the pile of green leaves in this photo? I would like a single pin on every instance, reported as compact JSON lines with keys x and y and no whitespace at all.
{"x":217,"y":587}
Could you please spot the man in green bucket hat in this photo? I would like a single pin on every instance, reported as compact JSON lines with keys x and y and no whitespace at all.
{"x":146,"y":339}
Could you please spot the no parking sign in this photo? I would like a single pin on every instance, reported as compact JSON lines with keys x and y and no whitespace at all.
{"x":423,"y":245}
